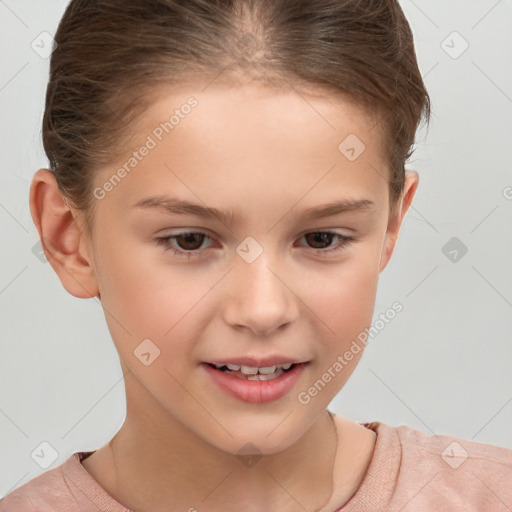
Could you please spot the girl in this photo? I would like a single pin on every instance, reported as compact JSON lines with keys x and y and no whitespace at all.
{"x":227,"y":178}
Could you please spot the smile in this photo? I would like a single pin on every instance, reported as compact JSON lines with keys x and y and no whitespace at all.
{"x":254,"y":373}
{"x":252,"y":384}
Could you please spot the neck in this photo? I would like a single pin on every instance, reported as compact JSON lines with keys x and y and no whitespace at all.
{"x":161,"y":465}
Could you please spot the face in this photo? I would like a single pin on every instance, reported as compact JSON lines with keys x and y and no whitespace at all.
{"x":265,"y":281}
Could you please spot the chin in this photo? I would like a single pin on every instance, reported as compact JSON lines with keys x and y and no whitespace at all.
{"x":266,"y":437}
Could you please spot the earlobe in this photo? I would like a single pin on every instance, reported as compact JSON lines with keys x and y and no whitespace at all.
{"x":394,"y":224}
{"x":60,"y":236}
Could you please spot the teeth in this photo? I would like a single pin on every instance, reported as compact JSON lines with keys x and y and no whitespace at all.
{"x":251,"y":370}
{"x":267,"y":369}
{"x":271,"y":376}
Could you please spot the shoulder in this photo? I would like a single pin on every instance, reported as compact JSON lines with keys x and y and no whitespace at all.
{"x":41,"y":493}
{"x":48,"y":492}
{"x":446,"y":472}
{"x":452,"y":451}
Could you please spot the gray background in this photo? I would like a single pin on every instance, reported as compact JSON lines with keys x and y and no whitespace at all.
{"x":441,"y":366}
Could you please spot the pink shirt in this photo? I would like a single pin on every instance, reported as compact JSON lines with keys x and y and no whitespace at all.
{"x":410,"y":471}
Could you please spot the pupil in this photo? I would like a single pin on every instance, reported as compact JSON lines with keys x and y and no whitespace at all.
{"x":189,"y":239}
{"x":319,"y":237}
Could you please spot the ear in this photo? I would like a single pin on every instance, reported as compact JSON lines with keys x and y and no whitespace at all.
{"x":410,"y":187}
{"x":62,"y":240}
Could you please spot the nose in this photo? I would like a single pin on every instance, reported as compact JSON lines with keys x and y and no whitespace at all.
{"x":259,"y":298}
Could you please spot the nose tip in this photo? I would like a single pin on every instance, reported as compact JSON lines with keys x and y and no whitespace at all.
{"x":260,"y":302}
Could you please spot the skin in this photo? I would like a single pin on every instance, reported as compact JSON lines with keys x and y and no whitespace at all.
{"x":267,"y":155}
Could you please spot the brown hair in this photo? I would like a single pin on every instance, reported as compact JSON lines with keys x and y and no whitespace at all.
{"x":111,"y":54}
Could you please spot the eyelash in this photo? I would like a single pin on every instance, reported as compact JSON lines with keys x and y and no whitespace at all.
{"x":344,"y":241}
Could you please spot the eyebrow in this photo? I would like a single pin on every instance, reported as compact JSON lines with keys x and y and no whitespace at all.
{"x":181,"y":207}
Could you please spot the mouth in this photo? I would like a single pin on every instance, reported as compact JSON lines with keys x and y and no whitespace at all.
{"x":254,"y":373}
{"x":255,"y":385}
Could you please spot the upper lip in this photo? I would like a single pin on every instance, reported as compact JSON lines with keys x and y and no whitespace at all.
{"x":257,"y":362}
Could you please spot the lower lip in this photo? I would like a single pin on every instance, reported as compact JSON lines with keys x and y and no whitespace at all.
{"x":256,"y":391}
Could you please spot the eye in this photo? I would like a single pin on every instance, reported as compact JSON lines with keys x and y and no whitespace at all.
{"x":190,"y":242}
{"x":324,"y":237}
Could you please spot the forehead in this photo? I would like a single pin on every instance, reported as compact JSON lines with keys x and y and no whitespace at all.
{"x":288,"y":111}
{"x":321,"y":107}
{"x":242,"y":144}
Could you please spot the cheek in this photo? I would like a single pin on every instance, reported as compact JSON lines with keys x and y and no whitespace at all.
{"x":145,"y":298}
{"x":343,"y":299}
{"x":138,"y":286}
{"x":134,"y":295}
{"x":347,"y":290}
